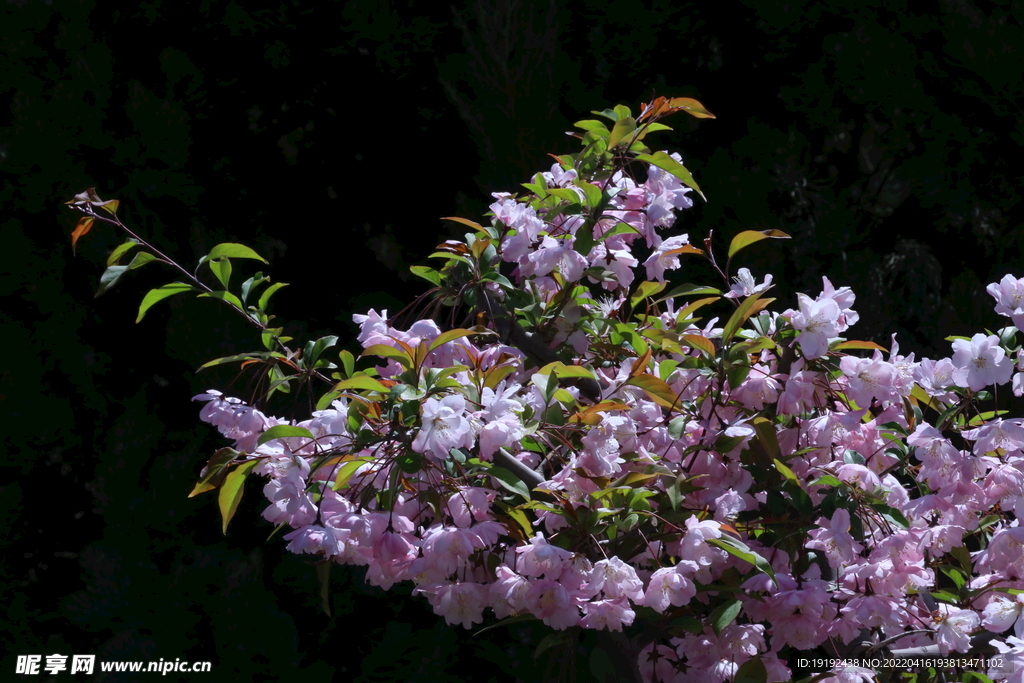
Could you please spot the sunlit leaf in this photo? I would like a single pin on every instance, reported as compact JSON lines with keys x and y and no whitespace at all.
{"x":116,"y":255}
{"x":464,"y":221}
{"x":232,"y":250}
{"x":231,"y":491}
{"x":748,"y":237}
{"x":223,"y":296}
{"x":644,"y":290}
{"x":283,"y":431}
{"x":83,"y":228}
{"x":658,"y":390}
{"x":750,"y":306}
{"x":699,"y":342}
{"x":427,"y":273}
{"x":510,"y":481}
{"x":270,"y":291}
{"x":742,"y":551}
{"x":159,"y":294}
{"x":452,"y":335}
{"x":666,"y":163}
{"x":348,"y":470}
{"x":214,"y":472}
{"x":385,"y":351}
{"x":860,"y":345}
{"x":623,"y":127}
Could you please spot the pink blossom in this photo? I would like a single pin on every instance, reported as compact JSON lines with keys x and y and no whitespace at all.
{"x":745,"y":285}
{"x":459,"y":603}
{"x":835,"y":539}
{"x":817,"y":322}
{"x":670,"y":586}
{"x":1009,"y":296}
{"x":665,"y":257}
{"x":444,"y":427}
{"x":550,"y":601}
{"x":611,"y":614}
{"x":1003,"y":612}
{"x":868,"y":379}
{"x":980,"y":362}
{"x":954,"y":627}
{"x":935,"y":377}
{"x":614,"y":578}
{"x":540,"y":558}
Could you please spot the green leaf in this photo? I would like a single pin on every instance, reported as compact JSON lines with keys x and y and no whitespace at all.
{"x":223,"y":296}
{"x":748,"y":237}
{"x":963,"y":556}
{"x":591,"y":124}
{"x":346,"y":471}
{"x":510,"y":481}
{"x":385,"y":351}
{"x":751,"y":671}
{"x":974,"y":675}
{"x":222,"y":270}
{"x":666,"y":163}
{"x":945,"y":596}
{"x":622,"y":128}
{"x":787,"y":473}
{"x":592,"y":192}
{"x":113,"y":273}
{"x":232,"y":250}
{"x":891,"y":514}
{"x":620,"y":229}
{"x":213,"y":473}
{"x":600,"y":664}
{"x":644,"y":290}
{"x":451,"y":335}
{"x":610,"y":114}
{"x":659,"y":391}
{"x":724,"y":614}
{"x":348,"y":362}
{"x":231,"y":492}
{"x":250,"y":285}
{"x":955,"y":574}
{"x":428,"y":274}
{"x":159,"y":294}
{"x":283,"y":431}
{"x":116,"y":255}
{"x":566,"y":194}
{"x":318,"y":348}
{"x":690,"y":290}
{"x":240,"y":357}
{"x":271,"y":290}
{"x":362,"y":382}
{"x":750,"y":306}
{"x":109,"y":278}
{"x":742,"y":551}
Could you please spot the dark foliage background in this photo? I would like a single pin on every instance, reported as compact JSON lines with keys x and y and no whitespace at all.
{"x":331,"y":137}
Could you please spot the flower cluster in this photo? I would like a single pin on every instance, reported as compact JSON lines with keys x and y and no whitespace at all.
{"x":590,"y":452}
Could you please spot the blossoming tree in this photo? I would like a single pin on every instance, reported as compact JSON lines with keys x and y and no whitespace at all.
{"x":715,"y":484}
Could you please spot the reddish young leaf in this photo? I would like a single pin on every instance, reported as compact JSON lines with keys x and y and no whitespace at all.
{"x":83,"y":228}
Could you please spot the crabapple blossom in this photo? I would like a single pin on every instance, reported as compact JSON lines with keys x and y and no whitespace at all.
{"x":444,"y":427}
{"x":745,"y":285}
{"x":1009,"y":296}
{"x":817,"y":321}
{"x":835,"y":539}
{"x":980,"y":362}
{"x":536,"y":497}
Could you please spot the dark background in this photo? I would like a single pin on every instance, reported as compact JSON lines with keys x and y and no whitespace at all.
{"x":330,"y":136}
